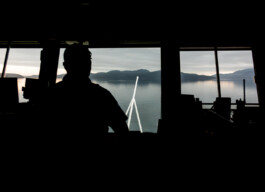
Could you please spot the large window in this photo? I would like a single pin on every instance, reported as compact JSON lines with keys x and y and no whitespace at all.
{"x":120,"y":66}
{"x":116,"y":69}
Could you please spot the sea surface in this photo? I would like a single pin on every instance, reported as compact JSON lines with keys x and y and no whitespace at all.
{"x":148,"y":97}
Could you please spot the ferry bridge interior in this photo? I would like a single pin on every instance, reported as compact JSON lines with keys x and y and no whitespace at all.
{"x":170,"y":27}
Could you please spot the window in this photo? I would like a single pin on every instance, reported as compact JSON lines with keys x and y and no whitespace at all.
{"x":116,"y":69}
{"x":198,"y":75}
{"x":234,"y":67}
{"x":21,"y":63}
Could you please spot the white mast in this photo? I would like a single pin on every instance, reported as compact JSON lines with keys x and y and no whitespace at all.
{"x":130,"y":108}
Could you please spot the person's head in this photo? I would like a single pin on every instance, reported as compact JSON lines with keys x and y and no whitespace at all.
{"x":77,"y":60}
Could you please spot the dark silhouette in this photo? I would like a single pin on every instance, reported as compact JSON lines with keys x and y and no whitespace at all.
{"x":79,"y":106}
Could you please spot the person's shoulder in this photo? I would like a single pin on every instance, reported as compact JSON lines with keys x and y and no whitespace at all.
{"x":101,"y":91}
{"x":57,"y":86}
{"x":56,"y":89}
{"x":99,"y":88}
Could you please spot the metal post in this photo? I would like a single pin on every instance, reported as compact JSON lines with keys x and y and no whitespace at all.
{"x":244,"y":90}
{"x":217,"y":72}
{"x":6,"y":58}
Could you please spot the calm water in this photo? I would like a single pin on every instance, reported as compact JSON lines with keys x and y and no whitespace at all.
{"x":148,"y":97}
{"x":206,"y":91}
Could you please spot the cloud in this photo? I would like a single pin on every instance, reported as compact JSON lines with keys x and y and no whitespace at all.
{"x":203,"y":62}
{"x":126,"y":59}
{"x":230,"y":61}
{"x":106,"y":59}
{"x":25,"y":57}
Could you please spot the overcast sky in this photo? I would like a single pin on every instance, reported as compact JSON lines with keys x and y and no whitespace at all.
{"x":27,"y":61}
{"x":203,"y":62}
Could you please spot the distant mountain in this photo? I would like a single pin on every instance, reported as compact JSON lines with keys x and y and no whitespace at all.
{"x":247,"y":74}
{"x":33,"y":76}
{"x":185,"y":77}
{"x":143,"y":74}
{"x":60,"y":76}
{"x":14,"y":75}
{"x":155,"y":76}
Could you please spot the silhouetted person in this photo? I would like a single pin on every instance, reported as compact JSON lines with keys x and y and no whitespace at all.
{"x":79,"y":106}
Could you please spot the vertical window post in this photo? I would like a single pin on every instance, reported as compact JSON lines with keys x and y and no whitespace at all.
{"x":217,"y":72}
{"x":170,"y":85}
{"x":6,"y":58}
{"x":258,"y":61}
{"x":49,"y":62}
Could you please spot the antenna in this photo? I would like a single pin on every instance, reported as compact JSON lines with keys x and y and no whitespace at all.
{"x":130,"y":108}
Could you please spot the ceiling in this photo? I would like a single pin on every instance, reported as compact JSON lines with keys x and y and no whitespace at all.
{"x":116,"y":22}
